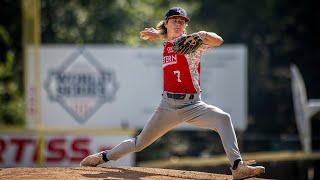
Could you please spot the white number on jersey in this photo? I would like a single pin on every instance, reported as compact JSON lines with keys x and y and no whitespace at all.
{"x":177,"y":73}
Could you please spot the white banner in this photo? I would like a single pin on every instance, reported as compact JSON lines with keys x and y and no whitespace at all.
{"x":112,"y":87}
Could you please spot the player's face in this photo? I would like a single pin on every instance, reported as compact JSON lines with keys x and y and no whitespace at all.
{"x":175,"y":26}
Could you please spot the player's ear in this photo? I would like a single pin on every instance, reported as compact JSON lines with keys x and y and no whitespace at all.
{"x":165,"y":23}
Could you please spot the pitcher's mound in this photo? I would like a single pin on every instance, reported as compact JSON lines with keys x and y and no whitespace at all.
{"x":105,"y":173}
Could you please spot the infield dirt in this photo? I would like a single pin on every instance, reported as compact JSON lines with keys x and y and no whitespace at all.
{"x":126,"y":173}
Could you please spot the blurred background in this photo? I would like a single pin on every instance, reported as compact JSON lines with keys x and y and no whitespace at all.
{"x":276,"y":36}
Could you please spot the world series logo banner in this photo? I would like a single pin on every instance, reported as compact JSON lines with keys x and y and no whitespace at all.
{"x":81,"y":85}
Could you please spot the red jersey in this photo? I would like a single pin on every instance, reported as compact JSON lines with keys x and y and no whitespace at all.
{"x":181,"y":73}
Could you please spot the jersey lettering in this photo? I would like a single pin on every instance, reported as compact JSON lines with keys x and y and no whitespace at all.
{"x":169,"y":60}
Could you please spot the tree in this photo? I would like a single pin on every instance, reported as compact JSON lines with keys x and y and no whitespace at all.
{"x":99,"y":21}
{"x":11,"y":99}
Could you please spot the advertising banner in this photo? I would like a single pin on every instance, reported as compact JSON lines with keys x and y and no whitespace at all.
{"x":22,"y":149}
{"x":120,"y":87}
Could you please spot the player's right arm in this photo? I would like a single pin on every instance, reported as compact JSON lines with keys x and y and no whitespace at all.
{"x":150,"y":34}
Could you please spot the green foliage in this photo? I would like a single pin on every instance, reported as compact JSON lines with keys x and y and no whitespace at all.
{"x":11,"y":99}
{"x":99,"y":21}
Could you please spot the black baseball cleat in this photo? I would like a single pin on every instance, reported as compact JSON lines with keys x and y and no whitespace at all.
{"x":95,"y":159}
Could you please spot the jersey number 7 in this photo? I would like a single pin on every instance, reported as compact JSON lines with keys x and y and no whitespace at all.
{"x":177,"y":73}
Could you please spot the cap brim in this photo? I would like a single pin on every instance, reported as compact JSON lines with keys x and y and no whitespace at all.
{"x":187,"y":19}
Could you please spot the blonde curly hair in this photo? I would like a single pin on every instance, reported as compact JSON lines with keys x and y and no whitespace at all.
{"x":163,"y":30}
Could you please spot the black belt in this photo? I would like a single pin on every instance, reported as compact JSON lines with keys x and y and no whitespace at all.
{"x":179,"y":96}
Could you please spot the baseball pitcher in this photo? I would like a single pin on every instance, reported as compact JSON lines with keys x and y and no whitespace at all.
{"x":181,"y":99}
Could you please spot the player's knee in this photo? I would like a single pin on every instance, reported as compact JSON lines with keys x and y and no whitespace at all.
{"x":226,"y":119}
{"x":228,"y":116}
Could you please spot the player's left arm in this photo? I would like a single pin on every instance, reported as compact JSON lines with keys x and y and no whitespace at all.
{"x":211,"y":38}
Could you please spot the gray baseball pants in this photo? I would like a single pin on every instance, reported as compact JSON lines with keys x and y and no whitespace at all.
{"x":172,"y":112}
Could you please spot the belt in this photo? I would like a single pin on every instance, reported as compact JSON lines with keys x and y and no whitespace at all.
{"x":179,"y":96}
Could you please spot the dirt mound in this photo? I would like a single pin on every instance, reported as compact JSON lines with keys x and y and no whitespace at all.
{"x":105,"y":173}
